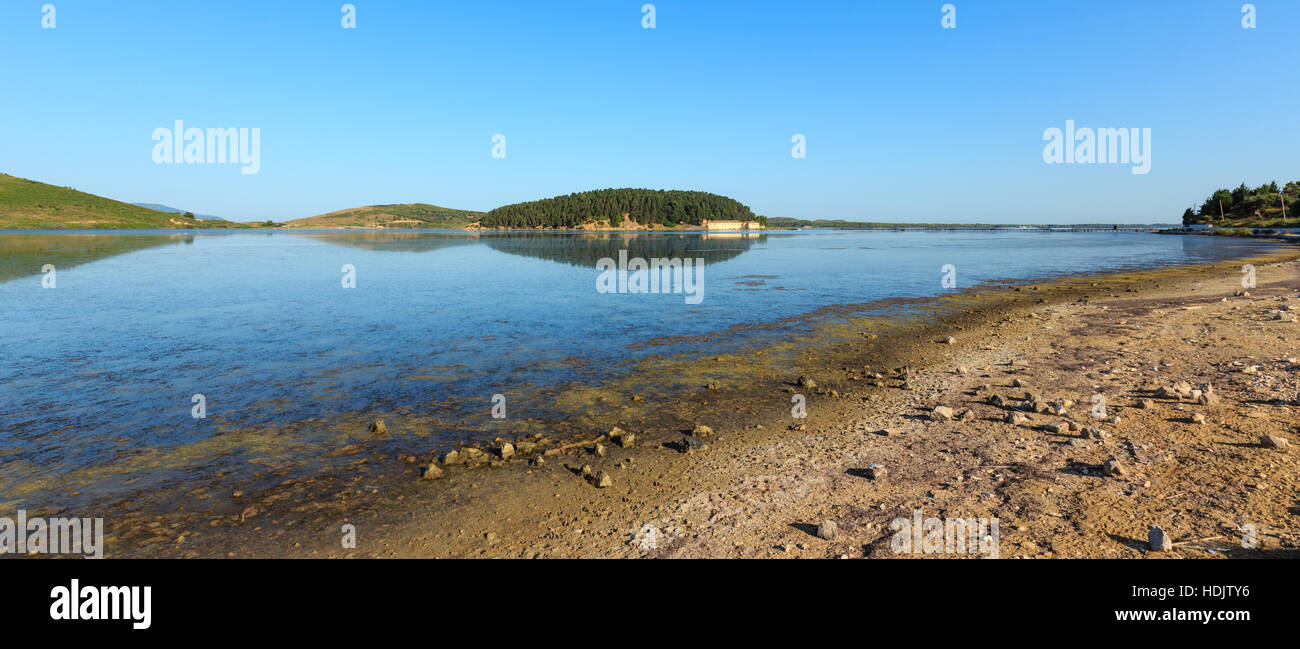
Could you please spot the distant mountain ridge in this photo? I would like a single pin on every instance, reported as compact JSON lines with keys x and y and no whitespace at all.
{"x":172,"y":210}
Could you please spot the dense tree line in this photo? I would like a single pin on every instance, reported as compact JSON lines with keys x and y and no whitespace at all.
{"x":645,"y":206}
{"x":1233,"y":206}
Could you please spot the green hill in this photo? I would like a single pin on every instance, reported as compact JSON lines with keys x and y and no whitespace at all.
{"x":1260,"y":207}
{"x":30,"y":205}
{"x":609,"y":207}
{"x":408,"y":215}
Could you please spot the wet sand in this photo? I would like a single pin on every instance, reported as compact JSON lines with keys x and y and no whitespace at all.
{"x":766,"y":480}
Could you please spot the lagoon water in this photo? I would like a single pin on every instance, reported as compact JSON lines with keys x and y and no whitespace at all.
{"x":106,"y":362}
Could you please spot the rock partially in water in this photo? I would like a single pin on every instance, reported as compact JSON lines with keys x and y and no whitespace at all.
{"x":378,"y":428}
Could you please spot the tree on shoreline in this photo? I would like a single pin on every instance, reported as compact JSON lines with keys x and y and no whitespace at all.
{"x":1260,"y":206}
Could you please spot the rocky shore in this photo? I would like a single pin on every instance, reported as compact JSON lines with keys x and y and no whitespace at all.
{"x":1140,"y":414}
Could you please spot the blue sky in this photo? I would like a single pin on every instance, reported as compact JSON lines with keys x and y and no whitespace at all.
{"x":904,"y":120}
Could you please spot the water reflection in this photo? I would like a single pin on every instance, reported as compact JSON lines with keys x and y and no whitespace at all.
{"x":24,"y":254}
{"x":581,"y":249}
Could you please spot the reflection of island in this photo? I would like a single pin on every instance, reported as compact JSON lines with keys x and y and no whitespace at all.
{"x":25,"y":254}
{"x":385,"y":241}
{"x":585,"y":249}
{"x":575,"y":248}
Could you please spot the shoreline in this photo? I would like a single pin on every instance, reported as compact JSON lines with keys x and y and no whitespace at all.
{"x":524,"y":510}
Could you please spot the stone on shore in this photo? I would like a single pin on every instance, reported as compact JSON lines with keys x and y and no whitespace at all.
{"x":941,"y":413}
{"x":1016,"y":419}
{"x":701,"y":430}
{"x":966,"y":415}
{"x":1113,"y":468}
{"x":877,"y":472}
{"x":1158,"y":541}
{"x":1146,"y":404}
{"x":603,"y":480}
{"x":1273,"y":441}
{"x":807,"y":382}
{"x":828,"y":530}
{"x":506,"y":451}
{"x":691,"y":444}
{"x":622,"y":437}
{"x":451,"y":457}
{"x":432,"y":472}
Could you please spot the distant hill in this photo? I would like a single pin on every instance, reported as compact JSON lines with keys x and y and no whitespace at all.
{"x":406,"y":215}
{"x":1260,"y":207}
{"x":172,"y":210}
{"x":608,"y":208}
{"x":31,"y":205}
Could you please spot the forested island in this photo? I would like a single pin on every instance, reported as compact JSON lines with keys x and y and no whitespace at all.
{"x":1261,"y":207}
{"x":620,"y":208}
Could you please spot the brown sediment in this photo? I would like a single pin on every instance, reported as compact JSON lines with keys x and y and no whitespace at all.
{"x":767,"y":479}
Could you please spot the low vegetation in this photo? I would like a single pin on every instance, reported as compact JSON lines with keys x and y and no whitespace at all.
{"x":31,"y":205}
{"x":407,"y":215}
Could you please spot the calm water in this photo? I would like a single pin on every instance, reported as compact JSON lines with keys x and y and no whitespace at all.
{"x":260,"y":324}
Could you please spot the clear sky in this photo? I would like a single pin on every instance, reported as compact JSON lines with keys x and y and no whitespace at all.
{"x":904,"y":120}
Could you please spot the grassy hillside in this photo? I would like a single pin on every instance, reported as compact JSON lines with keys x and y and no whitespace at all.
{"x":409,"y":215}
{"x":30,"y":205}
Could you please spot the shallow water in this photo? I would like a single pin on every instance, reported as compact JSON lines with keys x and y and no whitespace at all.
{"x":104,"y":364}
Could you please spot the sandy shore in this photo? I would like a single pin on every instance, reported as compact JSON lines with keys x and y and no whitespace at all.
{"x":766,"y":480}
